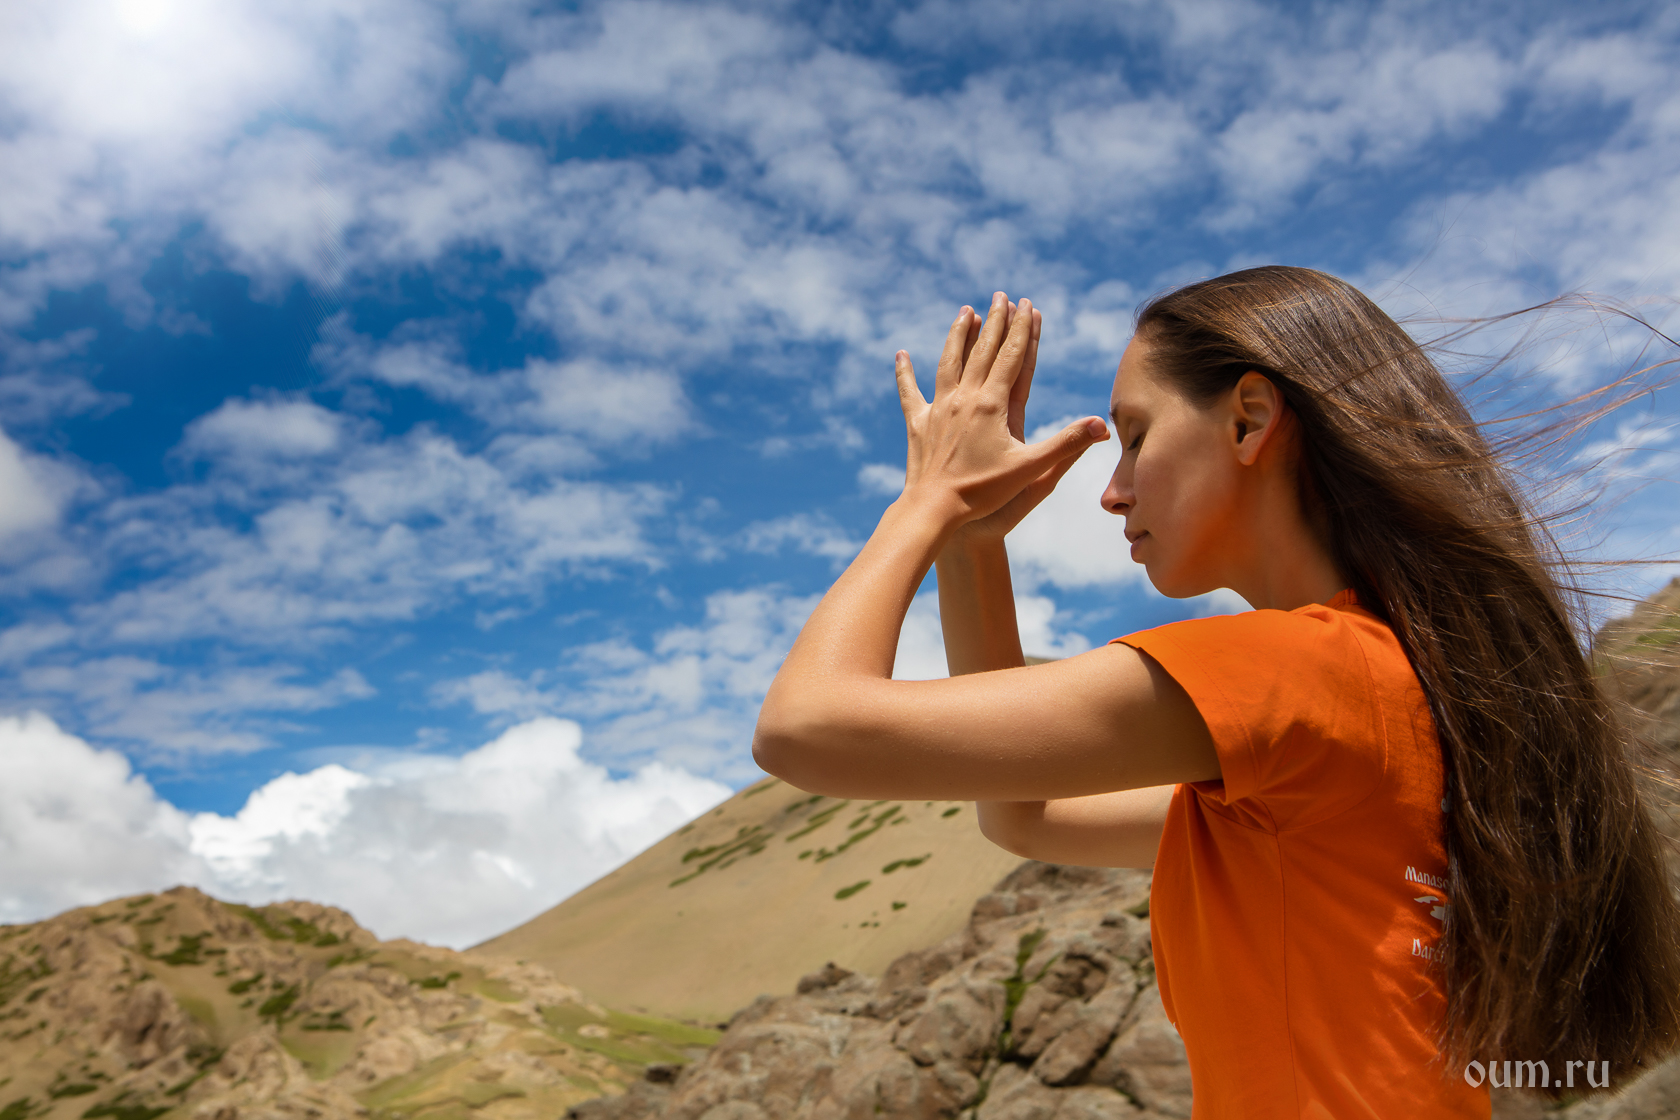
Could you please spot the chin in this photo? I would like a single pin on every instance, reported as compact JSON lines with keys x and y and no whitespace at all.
{"x":1179,"y":585}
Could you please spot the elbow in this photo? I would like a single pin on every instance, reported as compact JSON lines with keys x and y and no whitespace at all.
{"x":786,"y":748}
{"x":773,"y":751}
{"x":1005,"y":824}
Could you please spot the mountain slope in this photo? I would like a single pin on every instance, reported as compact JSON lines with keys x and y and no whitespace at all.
{"x":768,"y":886}
{"x":180,"y":1006}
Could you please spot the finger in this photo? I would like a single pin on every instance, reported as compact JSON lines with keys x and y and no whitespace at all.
{"x":1069,"y":443}
{"x":1023,"y":384}
{"x":951,"y":359}
{"x":968,"y":342}
{"x":1012,"y":352}
{"x":910,"y":397}
{"x":980,"y":360}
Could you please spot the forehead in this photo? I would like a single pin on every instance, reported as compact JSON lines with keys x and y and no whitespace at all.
{"x":1136,"y":392}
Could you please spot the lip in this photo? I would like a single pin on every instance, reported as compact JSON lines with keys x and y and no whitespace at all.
{"x":1136,"y":539}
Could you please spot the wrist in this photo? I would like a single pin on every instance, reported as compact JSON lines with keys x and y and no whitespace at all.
{"x":972,"y":546}
{"x":941,"y":515}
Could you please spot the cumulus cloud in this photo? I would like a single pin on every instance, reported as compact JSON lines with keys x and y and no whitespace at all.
{"x":447,"y":850}
{"x":78,"y":825}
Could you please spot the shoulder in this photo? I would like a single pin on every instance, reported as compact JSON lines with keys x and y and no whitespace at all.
{"x":1314,"y":633}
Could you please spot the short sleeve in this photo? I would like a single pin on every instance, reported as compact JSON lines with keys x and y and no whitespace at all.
{"x":1292,"y":707}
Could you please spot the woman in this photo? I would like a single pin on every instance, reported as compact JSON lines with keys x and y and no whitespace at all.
{"x":1393,"y":823}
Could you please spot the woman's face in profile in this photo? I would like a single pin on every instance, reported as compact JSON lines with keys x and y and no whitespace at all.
{"x":1177,"y":481}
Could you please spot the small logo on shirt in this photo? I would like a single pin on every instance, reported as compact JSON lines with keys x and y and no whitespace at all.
{"x":1438,"y":906}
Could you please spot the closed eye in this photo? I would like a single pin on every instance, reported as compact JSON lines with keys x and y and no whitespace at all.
{"x":1137,"y":441}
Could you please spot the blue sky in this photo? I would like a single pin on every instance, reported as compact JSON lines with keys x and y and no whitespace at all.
{"x":426,"y":425}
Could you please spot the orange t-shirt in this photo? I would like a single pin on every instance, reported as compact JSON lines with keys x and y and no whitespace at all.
{"x":1297,"y":902}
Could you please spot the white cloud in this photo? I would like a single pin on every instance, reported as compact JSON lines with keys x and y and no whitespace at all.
{"x":921,"y":644}
{"x":383,"y":531}
{"x":626,"y":407}
{"x":690,"y":697}
{"x":1070,"y":541}
{"x":244,"y":429}
{"x":27,"y":502}
{"x":881,"y":478}
{"x":813,"y":200}
{"x":167,"y":711}
{"x":811,"y":533}
{"x":448,"y":850}
{"x":78,"y":826}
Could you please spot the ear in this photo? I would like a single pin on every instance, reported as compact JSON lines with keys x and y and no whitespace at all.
{"x":1257,"y":414}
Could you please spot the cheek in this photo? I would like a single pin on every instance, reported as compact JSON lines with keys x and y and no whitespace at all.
{"x":1178,"y":488}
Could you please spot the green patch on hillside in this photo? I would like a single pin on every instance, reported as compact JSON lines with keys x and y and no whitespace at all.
{"x":19,"y":971}
{"x":749,"y":840}
{"x":189,"y":949}
{"x":323,"y":1052}
{"x":818,"y":819}
{"x":898,"y":863}
{"x":276,"y":1007}
{"x":22,"y":1109}
{"x":383,"y":1097}
{"x":499,"y":990}
{"x":874,"y":825}
{"x":277,"y":925}
{"x":124,"y":1107}
{"x":636,"y":1040}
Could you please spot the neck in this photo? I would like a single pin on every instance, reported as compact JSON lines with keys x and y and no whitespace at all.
{"x":1287,"y":564}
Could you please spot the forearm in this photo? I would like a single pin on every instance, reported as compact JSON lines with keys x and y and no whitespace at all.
{"x":977,"y":607}
{"x":1121,"y":829}
{"x":851,"y":639}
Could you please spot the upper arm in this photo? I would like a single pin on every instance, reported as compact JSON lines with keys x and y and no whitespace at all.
{"x":1110,"y":719}
{"x":1121,"y":829}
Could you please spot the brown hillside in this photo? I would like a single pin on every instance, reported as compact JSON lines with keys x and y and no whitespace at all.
{"x":759,"y":891}
{"x":178,"y":1006}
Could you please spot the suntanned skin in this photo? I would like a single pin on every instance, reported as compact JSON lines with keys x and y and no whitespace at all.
{"x":1071,"y":761}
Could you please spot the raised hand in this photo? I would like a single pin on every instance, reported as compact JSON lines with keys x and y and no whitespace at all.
{"x":967,"y":448}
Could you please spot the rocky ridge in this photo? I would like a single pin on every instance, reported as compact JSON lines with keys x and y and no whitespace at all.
{"x":1043,"y":1007}
{"x":178,"y":1005}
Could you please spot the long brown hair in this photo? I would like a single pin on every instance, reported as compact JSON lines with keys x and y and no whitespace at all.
{"x":1563,"y":940}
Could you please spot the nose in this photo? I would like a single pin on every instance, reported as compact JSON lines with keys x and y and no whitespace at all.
{"x":1117,"y":498}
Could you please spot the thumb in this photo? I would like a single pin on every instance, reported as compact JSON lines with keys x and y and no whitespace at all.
{"x":1069,"y":443}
